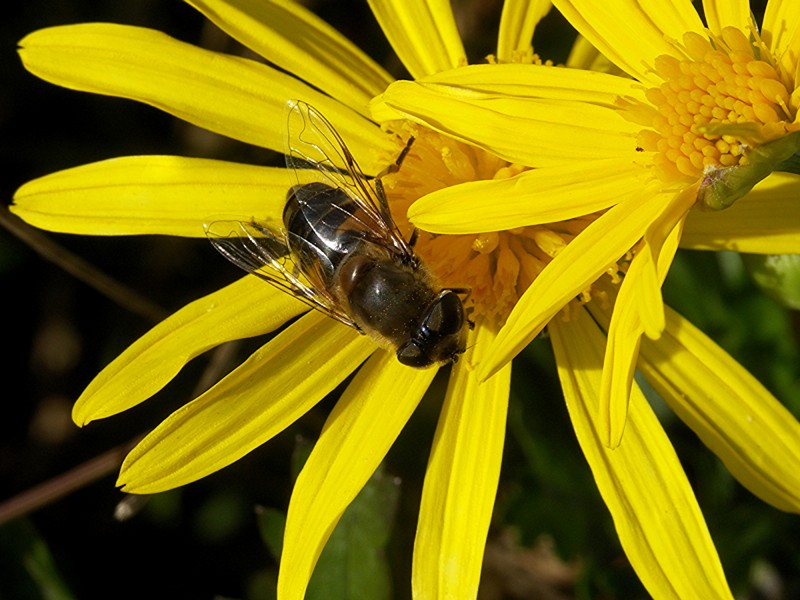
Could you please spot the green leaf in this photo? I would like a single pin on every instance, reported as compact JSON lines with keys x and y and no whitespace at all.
{"x":353,"y":565}
{"x":723,"y":186}
{"x":777,"y":275}
{"x":27,"y":569}
{"x":271,"y":524}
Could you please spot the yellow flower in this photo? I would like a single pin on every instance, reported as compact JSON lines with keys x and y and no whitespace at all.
{"x":540,"y":179}
{"x":615,"y":167}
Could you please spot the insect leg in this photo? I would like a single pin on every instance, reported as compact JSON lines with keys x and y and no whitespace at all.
{"x":465,"y":291}
{"x":395,"y":166}
{"x":392,"y":168}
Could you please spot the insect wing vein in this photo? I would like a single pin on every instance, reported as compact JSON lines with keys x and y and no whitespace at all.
{"x":265,"y":254}
{"x":311,"y":141}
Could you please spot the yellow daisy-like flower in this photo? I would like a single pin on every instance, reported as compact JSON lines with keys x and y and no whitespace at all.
{"x":619,"y":164}
{"x":535,"y":178}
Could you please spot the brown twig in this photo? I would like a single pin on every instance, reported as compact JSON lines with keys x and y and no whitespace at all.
{"x":106,"y":463}
{"x":64,"y":484}
{"x":81,"y":269}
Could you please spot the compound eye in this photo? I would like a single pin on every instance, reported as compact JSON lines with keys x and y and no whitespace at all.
{"x":411,"y":355}
{"x":446,"y":314}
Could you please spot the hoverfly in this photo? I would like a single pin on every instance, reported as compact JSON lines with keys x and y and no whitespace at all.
{"x":341,"y":252}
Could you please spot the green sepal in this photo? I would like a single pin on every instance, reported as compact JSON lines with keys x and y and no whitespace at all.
{"x":721,"y":187}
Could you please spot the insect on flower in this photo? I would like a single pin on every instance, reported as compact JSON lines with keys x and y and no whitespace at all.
{"x":341,"y":252}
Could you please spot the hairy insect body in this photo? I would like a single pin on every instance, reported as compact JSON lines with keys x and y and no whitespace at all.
{"x":391,"y":298}
{"x":340,"y":251}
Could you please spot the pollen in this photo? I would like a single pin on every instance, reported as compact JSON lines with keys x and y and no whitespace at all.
{"x":496,"y":267}
{"x":724,"y":97}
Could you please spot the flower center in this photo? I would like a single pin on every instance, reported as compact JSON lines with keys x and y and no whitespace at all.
{"x":496,"y":267}
{"x":725,"y":97}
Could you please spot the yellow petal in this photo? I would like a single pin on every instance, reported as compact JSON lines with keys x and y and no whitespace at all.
{"x":753,"y":434}
{"x":661,"y":242}
{"x":274,"y":387}
{"x":539,"y":82}
{"x":781,"y":32}
{"x":766,"y":221}
{"x":638,"y":308}
{"x":246,"y":308}
{"x":357,"y":435}
{"x":582,"y":55}
{"x":545,"y":195}
{"x":225,"y":94}
{"x":167,"y":195}
{"x":588,"y":58}
{"x":461,"y":481}
{"x":517,"y":24}
{"x":619,"y":361}
{"x":554,"y":131}
{"x":632,"y":33}
{"x":423,"y":34}
{"x":647,"y":298}
{"x":296,"y":40}
{"x":656,"y":515}
{"x":727,"y":13}
{"x":573,"y":270}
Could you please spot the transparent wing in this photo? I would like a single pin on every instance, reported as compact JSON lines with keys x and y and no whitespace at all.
{"x":265,"y":254}
{"x":313,"y":143}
